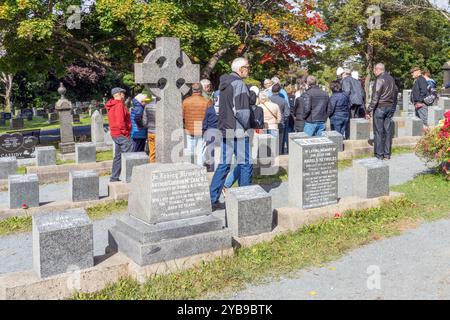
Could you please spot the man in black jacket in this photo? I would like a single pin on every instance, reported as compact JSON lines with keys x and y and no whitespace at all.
{"x":285,"y":113}
{"x":383,"y":105}
{"x":234,"y":121}
{"x":418,"y":94}
{"x":316,"y":107}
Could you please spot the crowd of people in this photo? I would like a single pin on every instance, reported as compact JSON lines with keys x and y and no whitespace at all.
{"x":230,"y":117}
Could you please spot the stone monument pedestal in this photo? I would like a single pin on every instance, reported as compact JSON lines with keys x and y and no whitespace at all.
{"x":169,"y":217}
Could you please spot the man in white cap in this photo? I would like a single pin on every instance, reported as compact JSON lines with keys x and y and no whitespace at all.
{"x":339,"y":73}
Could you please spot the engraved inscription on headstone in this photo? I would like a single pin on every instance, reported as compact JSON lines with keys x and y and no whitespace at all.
{"x":16,"y":145}
{"x":313,"y":176}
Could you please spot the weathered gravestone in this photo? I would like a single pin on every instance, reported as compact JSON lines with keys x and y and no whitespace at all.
{"x":62,"y":242}
{"x":446,"y":78}
{"x":267,"y":153}
{"x":16,"y":145}
{"x":359,"y":129}
{"x":336,"y":137}
{"x":97,"y":131}
{"x":413,"y":127}
{"x":313,"y":173}
{"x":370,"y":178}
{"x":407,"y":104}
{"x":85,"y":152}
{"x":169,"y":203}
{"x":52,"y":118}
{"x":129,"y":162}
{"x":166,"y":71}
{"x":8,"y":166}
{"x":23,"y":190}
{"x":444,"y":103}
{"x":249,"y":211}
{"x":84,"y":185}
{"x":435,"y":114}
{"x":45,"y":156}
{"x":169,"y":215}
{"x":16,"y":124}
{"x":64,"y":108}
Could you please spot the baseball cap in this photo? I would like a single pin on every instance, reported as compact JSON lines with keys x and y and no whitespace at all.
{"x":117,"y":90}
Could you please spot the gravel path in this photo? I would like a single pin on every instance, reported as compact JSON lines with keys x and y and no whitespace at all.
{"x":415,"y":265}
{"x":16,"y":250}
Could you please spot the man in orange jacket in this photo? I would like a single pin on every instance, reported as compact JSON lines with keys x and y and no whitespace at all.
{"x":120,"y":127}
{"x":194,"y":110}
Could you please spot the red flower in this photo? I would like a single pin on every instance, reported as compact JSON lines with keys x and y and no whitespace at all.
{"x":24,"y":206}
{"x":337,"y":215}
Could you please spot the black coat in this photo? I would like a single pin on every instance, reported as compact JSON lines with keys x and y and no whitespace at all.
{"x":316,"y":102}
{"x":419,"y":90}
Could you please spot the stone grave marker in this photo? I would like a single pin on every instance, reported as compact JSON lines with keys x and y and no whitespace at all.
{"x":8,"y":166}
{"x":435,"y":114}
{"x":18,"y":146}
{"x":407,"y":104}
{"x":413,"y":127}
{"x":52,"y":118}
{"x":169,"y":203}
{"x":444,"y":103}
{"x":84,"y":185}
{"x":169,"y":215}
{"x":249,"y":211}
{"x":336,"y":137}
{"x":62,"y":242}
{"x":97,"y":131}
{"x":359,"y":129}
{"x":45,"y":156}
{"x":23,"y":190}
{"x":313,"y":173}
{"x":166,"y":72}
{"x":370,"y":178}
{"x":85,"y":152}
{"x":16,"y":124}
{"x":129,"y":161}
{"x":64,"y":108}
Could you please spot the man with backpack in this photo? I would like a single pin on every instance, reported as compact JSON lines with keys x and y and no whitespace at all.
{"x":234,"y":122}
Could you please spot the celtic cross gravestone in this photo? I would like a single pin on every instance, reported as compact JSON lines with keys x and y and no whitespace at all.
{"x":166,"y":71}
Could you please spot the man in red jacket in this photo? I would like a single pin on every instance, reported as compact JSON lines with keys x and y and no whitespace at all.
{"x":120,"y":127}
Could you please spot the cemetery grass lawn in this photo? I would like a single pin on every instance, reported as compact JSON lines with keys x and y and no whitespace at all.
{"x":24,"y":223}
{"x":426,"y":198}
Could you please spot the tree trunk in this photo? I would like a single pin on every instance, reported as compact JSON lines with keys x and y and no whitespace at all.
{"x":206,"y":72}
{"x":7,"y":80}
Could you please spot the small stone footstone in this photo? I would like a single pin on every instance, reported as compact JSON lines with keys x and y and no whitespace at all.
{"x":62,"y":242}
{"x":337,"y":138}
{"x":16,"y":124}
{"x":23,"y":190}
{"x":249,"y":211}
{"x":313,"y":173}
{"x":435,"y":115}
{"x":129,"y":161}
{"x":370,"y":178}
{"x":84,"y":185}
{"x":169,"y":215}
{"x":413,"y":127}
{"x":45,"y":156}
{"x":267,"y":152}
{"x":444,"y":103}
{"x":359,"y":129}
{"x":8,"y":166}
{"x":85,"y":152}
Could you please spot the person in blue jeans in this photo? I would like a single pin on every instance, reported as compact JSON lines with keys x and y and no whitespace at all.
{"x":234,"y":121}
{"x":315,"y":112}
{"x":339,"y":109}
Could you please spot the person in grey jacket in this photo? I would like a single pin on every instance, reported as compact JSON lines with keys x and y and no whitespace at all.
{"x":355,"y":91}
{"x":148,"y":120}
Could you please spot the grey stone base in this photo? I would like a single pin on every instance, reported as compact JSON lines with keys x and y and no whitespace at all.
{"x":146,"y":253}
{"x":143,"y":232}
{"x":68,"y":147}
